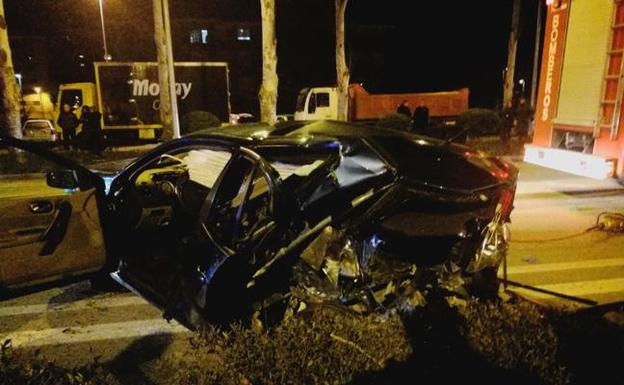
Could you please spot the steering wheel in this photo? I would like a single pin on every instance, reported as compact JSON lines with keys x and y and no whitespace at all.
{"x":252,"y":233}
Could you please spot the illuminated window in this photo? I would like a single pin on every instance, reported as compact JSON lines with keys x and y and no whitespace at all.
{"x":243,"y":34}
{"x":199,"y":36}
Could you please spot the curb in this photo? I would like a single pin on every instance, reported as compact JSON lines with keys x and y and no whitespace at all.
{"x":513,"y":158}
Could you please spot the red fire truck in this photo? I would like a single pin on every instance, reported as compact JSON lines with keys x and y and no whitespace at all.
{"x":579,"y":124}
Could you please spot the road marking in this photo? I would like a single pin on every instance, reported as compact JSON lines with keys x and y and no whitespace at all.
{"x":582,"y":289}
{"x":92,"y":303}
{"x":548,"y":267}
{"x":98,"y":332}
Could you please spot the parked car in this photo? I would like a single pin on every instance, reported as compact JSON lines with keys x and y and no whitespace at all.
{"x":242,"y":117}
{"x":208,"y":226}
{"x":39,"y":130}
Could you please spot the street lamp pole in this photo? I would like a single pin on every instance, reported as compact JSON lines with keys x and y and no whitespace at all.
{"x":536,"y":53}
{"x":38,"y":91}
{"x":107,"y":57}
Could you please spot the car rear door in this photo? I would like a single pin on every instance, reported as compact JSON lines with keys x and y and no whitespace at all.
{"x":50,"y":225}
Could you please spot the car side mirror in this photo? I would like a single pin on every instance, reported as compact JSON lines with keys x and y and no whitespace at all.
{"x":65,"y":179}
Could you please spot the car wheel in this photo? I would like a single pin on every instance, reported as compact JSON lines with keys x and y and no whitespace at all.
{"x":485,"y":284}
{"x":103,"y":282}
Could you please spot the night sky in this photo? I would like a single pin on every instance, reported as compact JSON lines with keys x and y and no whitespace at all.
{"x":393,"y":45}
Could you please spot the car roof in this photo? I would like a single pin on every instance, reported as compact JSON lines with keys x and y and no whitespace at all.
{"x":37,"y":121}
{"x":322,"y":130}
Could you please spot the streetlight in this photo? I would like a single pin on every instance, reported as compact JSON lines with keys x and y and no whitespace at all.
{"x":107,"y":56}
{"x":504,"y":74}
{"x":38,"y":91}
{"x":522,"y":82}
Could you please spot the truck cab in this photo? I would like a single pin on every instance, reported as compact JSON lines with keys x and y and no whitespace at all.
{"x":317,"y":103}
{"x":76,"y":95}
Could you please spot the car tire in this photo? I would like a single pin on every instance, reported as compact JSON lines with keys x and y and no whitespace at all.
{"x":102,"y":281}
{"x":485,"y":284}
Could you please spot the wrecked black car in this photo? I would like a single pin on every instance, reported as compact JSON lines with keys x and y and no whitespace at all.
{"x":208,"y":227}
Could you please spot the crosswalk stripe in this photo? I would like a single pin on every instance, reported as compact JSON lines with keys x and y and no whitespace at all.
{"x":581,"y":289}
{"x":116,"y":301}
{"x":97,"y":332}
{"x":552,"y":267}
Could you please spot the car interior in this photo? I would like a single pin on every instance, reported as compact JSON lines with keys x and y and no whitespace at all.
{"x":168,"y":209}
{"x":50,"y":227}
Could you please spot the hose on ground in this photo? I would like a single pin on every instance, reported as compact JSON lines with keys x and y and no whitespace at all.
{"x":610,"y":222}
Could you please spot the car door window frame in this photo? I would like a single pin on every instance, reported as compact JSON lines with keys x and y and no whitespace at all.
{"x":259,"y":165}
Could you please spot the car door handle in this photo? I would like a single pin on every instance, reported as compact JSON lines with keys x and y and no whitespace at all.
{"x":41,"y":207}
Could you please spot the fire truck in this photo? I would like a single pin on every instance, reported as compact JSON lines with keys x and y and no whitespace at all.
{"x":579,"y":124}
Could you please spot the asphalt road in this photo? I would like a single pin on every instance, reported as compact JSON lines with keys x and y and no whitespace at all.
{"x":588,"y":266}
{"x":74,"y":324}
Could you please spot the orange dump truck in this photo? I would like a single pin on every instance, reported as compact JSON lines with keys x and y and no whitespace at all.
{"x":320,"y":103}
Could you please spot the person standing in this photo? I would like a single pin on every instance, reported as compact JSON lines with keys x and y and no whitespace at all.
{"x":92,"y":128}
{"x":420,"y":119}
{"x":68,"y":121}
{"x":507,"y":124}
{"x":524,"y":112}
{"x":404,"y":109}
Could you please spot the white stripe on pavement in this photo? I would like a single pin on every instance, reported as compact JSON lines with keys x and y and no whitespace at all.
{"x":72,"y":335}
{"x":118,"y":301}
{"x":581,"y":289}
{"x":548,"y":267}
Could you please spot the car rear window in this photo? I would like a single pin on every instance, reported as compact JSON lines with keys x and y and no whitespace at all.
{"x":433,"y":165}
{"x":37,"y":125}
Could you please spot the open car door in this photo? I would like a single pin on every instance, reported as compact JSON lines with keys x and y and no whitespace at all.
{"x":188,"y":251}
{"x":50,"y":225}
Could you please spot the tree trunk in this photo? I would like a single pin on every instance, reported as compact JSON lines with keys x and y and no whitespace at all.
{"x":342,"y":71}
{"x":270,"y":81}
{"x":160,"y":39}
{"x":511,"y":55}
{"x":9,"y":89}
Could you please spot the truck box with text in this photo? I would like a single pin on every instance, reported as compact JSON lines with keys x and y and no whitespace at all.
{"x":128,"y":95}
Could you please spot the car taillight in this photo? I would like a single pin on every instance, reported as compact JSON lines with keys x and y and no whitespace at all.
{"x":506,"y":202}
{"x":503,"y":172}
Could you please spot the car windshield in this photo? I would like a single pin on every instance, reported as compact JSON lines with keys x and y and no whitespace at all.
{"x":433,"y":165}
{"x":301,"y":99}
{"x":37,"y":125}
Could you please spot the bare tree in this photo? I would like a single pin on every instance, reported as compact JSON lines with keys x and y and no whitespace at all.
{"x":270,"y":80}
{"x":9,"y":90}
{"x":166,"y":116}
{"x":511,"y":55}
{"x":342,"y":70}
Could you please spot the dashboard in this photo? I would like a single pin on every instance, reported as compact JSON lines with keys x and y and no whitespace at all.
{"x":157,"y":195}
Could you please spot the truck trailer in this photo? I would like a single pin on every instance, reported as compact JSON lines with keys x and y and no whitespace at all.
{"x":128,"y":95}
{"x":321,"y":103}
